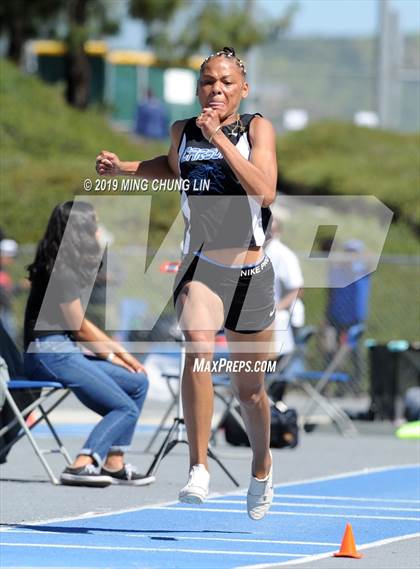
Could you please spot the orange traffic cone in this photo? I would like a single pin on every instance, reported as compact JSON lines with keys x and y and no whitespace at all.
{"x":348,"y":546}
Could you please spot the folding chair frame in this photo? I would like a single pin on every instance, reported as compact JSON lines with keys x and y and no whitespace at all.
{"x":47,"y":390}
{"x":313,"y":383}
{"x":228,"y":402}
{"x":316,"y":392}
{"x":169,"y":377}
{"x":303,"y":380}
{"x":317,"y":398}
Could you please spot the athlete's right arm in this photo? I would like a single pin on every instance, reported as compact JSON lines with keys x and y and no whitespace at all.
{"x":160,"y":167}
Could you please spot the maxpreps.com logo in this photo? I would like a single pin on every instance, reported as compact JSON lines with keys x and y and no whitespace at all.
{"x":191,"y":154}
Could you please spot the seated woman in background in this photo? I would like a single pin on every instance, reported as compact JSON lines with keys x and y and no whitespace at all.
{"x":110,"y":382}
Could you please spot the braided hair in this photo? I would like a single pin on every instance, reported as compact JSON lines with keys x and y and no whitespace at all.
{"x":226,"y":52}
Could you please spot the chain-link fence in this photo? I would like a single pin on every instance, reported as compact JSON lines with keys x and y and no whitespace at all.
{"x":331,"y":79}
{"x":392,"y":312}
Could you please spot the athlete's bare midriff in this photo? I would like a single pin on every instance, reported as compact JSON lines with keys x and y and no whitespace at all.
{"x":236,"y":255}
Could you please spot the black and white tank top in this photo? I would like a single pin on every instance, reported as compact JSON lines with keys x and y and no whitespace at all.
{"x":217,"y":211}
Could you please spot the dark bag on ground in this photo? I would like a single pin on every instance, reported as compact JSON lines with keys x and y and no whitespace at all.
{"x":284,"y":428}
{"x":412,"y":404}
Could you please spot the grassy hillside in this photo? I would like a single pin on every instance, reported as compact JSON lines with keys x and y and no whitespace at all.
{"x":343,"y":159}
{"x":48,"y":149}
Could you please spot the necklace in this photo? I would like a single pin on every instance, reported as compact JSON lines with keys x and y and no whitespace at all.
{"x":238,"y":127}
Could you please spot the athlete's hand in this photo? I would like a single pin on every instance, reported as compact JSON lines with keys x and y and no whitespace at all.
{"x":208,"y":120}
{"x":108,"y":164}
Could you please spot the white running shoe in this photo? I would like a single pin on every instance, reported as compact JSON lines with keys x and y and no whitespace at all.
{"x":197,"y":488}
{"x":260,"y":495}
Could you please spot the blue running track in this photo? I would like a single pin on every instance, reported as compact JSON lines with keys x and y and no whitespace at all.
{"x":306,"y":521}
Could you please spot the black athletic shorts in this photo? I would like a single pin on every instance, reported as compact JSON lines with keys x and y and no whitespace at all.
{"x":247,"y":293}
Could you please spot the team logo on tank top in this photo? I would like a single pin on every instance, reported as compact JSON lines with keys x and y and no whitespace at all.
{"x":192,"y":153}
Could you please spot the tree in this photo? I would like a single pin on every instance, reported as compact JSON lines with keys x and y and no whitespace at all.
{"x":151,"y":11}
{"x":83,"y":17}
{"x":209,"y":26}
{"x":77,"y":64}
{"x":20,"y":21}
{"x":157,"y":17}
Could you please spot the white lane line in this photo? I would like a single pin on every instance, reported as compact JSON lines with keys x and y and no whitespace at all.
{"x":340,"y":476}
{"x":304,"y":505}
{"x":150,"y":549}
{"x":310,"y":558}
{"x":236,"y":493}
{"x":90,"y":515}
{"x":311,"y":514}
{"x":347,"y":498}
{"x":189,"y":538}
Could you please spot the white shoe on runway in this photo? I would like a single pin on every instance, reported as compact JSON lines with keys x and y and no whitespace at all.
{"x":260,"y":495}
{"x":197,"y":488}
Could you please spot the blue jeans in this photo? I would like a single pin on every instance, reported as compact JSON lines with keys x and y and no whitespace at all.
{"x":108,"y":389}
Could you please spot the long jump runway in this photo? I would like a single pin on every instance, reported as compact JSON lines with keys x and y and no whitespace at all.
{"x":306,"y":522}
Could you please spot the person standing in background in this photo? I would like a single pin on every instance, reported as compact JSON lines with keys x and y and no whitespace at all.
{"x":288,"y":284}
{"x":151,"y":118}
{"x":290,"y":310}
{"x":8,"y":289}
{"x":347,"y":305}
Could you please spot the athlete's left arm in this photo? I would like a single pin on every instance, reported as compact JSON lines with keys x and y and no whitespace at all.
{"x":258,"y":175}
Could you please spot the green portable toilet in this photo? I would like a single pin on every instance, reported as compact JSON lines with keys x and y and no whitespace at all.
{"x":51,"y":64}
{"x":96,"y":52}
{"x":127,"y":76}
{"x":130,"y":74}
{"x":51,"y":59}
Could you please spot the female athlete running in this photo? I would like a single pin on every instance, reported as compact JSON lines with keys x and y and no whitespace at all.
{"x":225,"y":279}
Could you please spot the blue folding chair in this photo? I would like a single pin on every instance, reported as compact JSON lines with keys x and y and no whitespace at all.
{"x":315,"y":383}
{"x":40,"y":392}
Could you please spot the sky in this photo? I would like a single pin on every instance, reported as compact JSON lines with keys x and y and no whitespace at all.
{"x":344,"y":17}
{"x":327,"y":18}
